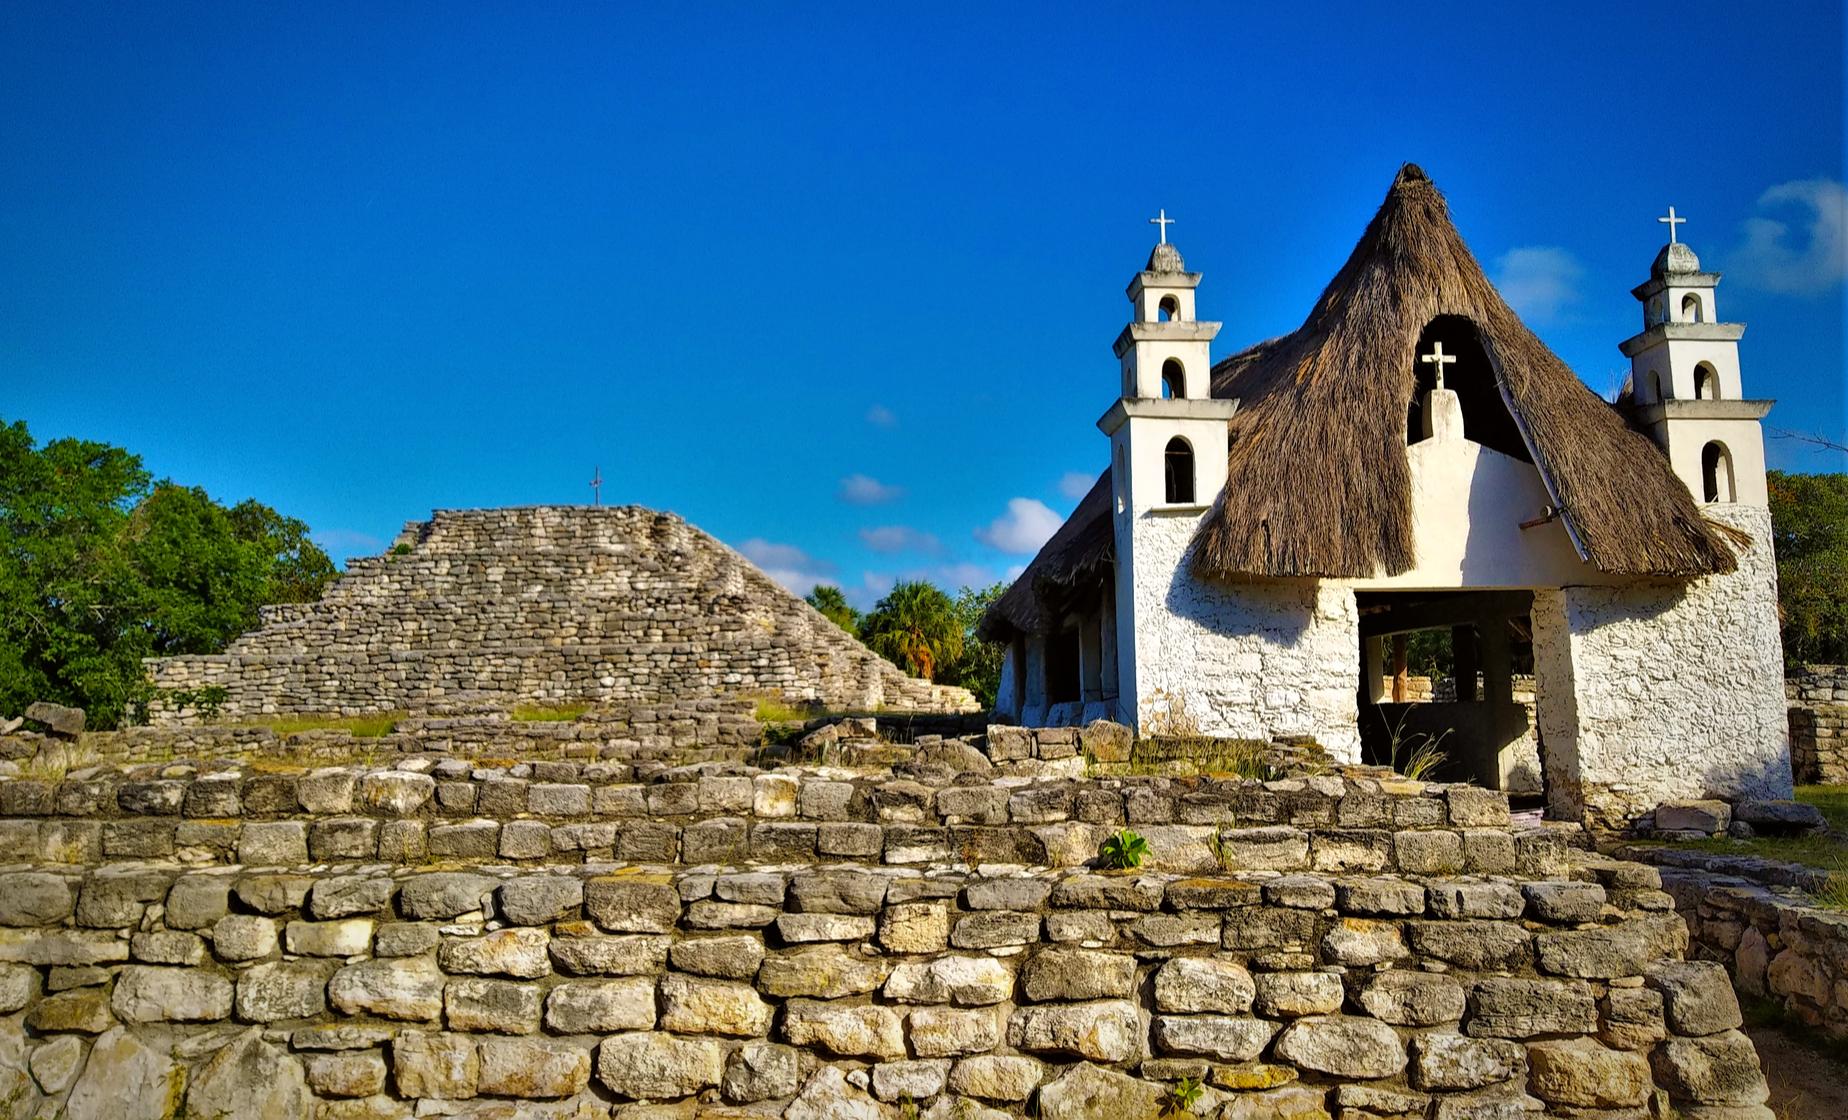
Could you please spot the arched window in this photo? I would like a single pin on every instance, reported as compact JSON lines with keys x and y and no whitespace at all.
{"x":1716,"y":477}
{"x":1173,"y":380}
{"x":1706,"y":383}
{"x":1170,"y":309}
{"x":1179,"y":463}
{"x":1690,"y":308}
{"x":1655,"y":386}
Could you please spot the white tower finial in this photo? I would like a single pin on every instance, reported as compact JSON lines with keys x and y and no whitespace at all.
{"x":1671,"y":222}
{"x":1161,"y":219}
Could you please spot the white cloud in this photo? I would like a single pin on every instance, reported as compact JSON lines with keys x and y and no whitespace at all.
{"x":879,"y":416}
{"x":1816,"y":257}
{"x":899,"y":538}
{"x":1026,"y":525}
{"x":795,"y":569}
{"x":864,"y":490}
{"x":951,"y":578}
{"x":347,"y":542}
{"x":1076,"y":484}
{"x":955,"y":577}
{"x":1541,"y":282}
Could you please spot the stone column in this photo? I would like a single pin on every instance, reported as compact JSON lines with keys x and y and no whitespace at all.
{"x":1373,"y":665}
{"x":1107,"y":636}
{"x":1033,"y":702}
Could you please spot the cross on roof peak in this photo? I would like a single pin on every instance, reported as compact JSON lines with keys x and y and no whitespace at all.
{"x":1671,"y":222}
{"x":1161,"y":219}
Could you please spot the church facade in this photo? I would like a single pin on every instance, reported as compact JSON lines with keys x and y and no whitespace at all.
{"x":1274,"y":526}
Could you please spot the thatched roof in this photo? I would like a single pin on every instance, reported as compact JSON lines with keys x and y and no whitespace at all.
{"x":1319,"y":483}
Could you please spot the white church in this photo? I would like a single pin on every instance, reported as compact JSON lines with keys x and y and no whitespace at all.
{"x":1412,"y":458}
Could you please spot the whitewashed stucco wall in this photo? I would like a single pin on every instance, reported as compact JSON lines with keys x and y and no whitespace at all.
{"x":1662,"y":690}
{"x":1249,"y":659}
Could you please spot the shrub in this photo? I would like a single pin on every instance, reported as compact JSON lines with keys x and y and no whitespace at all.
{"x":1124,"y":849}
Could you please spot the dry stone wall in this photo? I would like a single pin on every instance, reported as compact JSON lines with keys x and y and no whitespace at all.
{"x":554,"y":939}
{"x":542,"y":604}
{"x":1818,"y":696}
{"x":1774,"y":941}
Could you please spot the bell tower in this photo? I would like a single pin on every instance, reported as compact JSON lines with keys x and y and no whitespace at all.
{"x":1685,"y":381}
{"x":1168,"y":445}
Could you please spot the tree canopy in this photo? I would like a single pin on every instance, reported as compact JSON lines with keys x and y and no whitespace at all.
{"x":101,"y":565}
{"x":829,"y":600}
{"x":915,"y":627}
{"x":1809,"y":518}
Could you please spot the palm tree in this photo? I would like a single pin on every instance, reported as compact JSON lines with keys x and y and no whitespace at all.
{"x":915,"y":627}
{"x":828,"y":599}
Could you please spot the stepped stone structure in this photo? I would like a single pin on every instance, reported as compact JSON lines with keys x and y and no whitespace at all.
{"x":537,"y":604}
{"x":608,"y":940}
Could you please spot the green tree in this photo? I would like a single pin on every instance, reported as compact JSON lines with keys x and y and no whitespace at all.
{"x":1809,"y":519}
{"x":978,"y":669}
{"x":828,"y":599}
{"x":100,"y":566}
{"x":915,"y":627}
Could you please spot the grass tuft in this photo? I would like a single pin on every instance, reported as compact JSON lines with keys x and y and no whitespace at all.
{"x":537,"y":713}
{"x":360,"y":727}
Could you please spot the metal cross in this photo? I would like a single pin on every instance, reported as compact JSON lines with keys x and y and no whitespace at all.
{"x":1164,"y":222}
{"x":1671,"y":222}
{"x":1440,"y":359}
{"x":596,"y":487}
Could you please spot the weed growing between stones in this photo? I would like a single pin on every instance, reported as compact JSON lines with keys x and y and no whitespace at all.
{"x":1418,"y":755}
{"x":55,"y":760}
{"x":360,"y":727}
{"x":1181,"y":1097}
{"x":1124,"y":849}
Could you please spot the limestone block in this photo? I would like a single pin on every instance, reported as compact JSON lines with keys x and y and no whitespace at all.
{"x":829,"y":1096}
{"x":346,"y":937}
{"x":1343,"y":1046}
{"x":847,"y":1032}
{"x":34,"y":898}
{"x":1606,"y":952}
{"x":1506,"y":1007}
{"x":821,"y":972}
{"x":1078,"y":974}
{"x":1697,"y":996}
{"x":347,"y":1073}
{"x":759,"y":1071}
{"x":631,"y":904}
{"x":536,"y":900}
{"x":1579,"y":1072}
{"x":601,"y":1006}
{"x":1710,"y":817}
{"x":408,"y":989}
{"x":278,"y":990}
{"x":915,"y":1080}
{"x":1086,"y":1092}
{"x":581,"y":953}
{"x":471,"y":1004}
{"x":529,"y":1067}
{"x":1407,"y":998}
{"x":1227,"y":1038}
{"x":1105,"y":1031}
{"x":917,"y":927}
{"x":1300,"y":892}
{"x":249,"y":1078}
{"x":341,"y":896}
{"x":1564,"y":903}
{"x":1475,"y":900}
{"x":1356,"y":942}
{"x":1448,"y":1061}
{"x":151,"y":994}
{"x":1203,"y":984}
{"x":1719,"y":1069}
{"x":442,"y":895}
{"x":695,"y":1005}
{"x":1289,"y":995}
{"x":941,"y":1032}
{"x":439,"y":1066}
{"x":125,"y":1080}
{"x":1474,"y":944}
{"x":801,"y":928}
{"x":520,"y":952}
{"x":990,"y":929}
{"x":398,"y":793}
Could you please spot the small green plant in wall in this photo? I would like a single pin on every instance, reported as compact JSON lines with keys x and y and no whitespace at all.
{"x":1181,"y":1098}
{"x":1124,"y":849}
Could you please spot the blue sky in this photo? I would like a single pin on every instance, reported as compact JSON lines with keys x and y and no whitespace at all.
{"x":838,"y":284}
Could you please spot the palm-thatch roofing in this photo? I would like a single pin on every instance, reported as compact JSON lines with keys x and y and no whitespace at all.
{"x":1319,"y":484}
